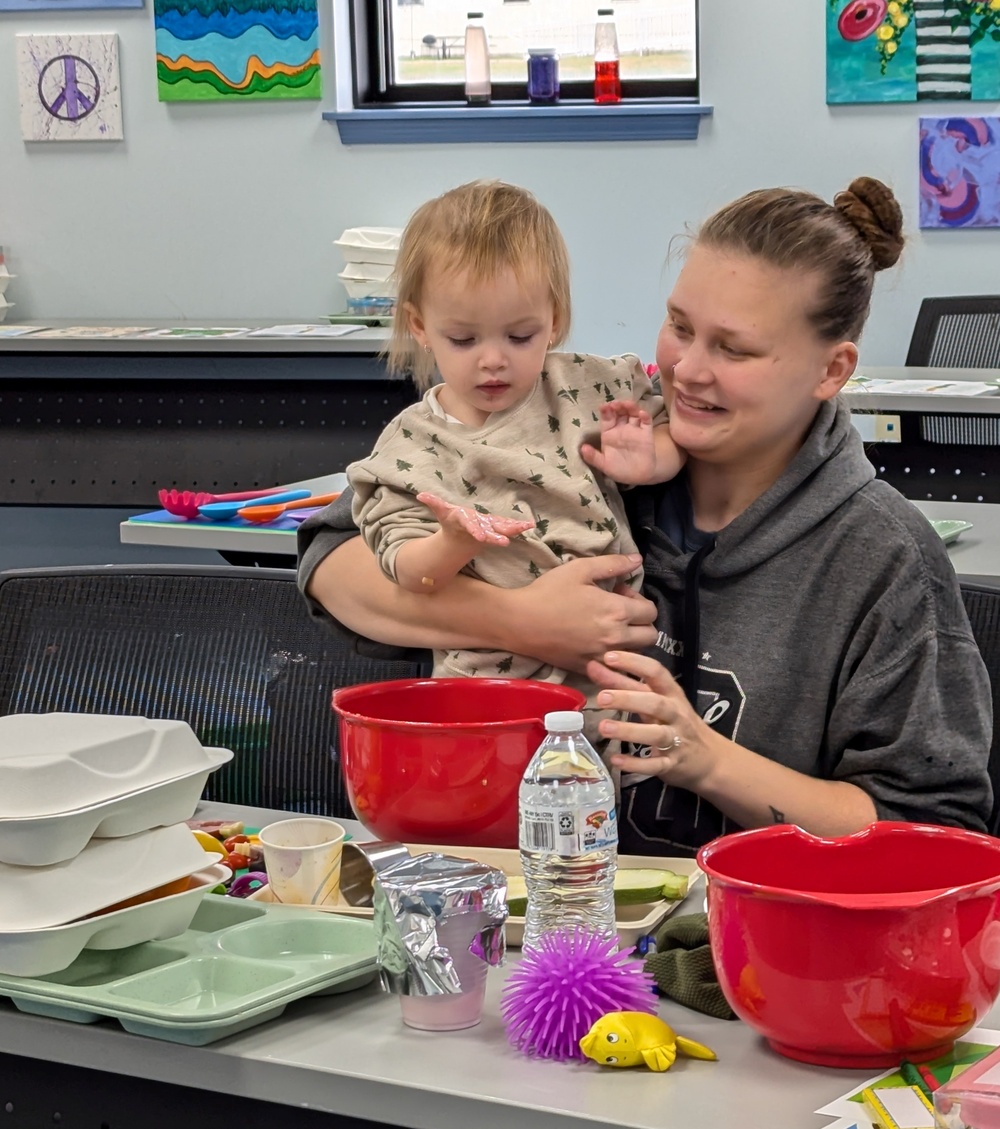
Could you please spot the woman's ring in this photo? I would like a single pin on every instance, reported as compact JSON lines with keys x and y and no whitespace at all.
{"x":675,"y":742}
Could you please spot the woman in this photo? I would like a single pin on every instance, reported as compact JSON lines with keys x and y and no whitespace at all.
{"x":807,"y":655}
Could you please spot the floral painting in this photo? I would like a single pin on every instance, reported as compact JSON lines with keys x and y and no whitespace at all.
{"x":960,"y":172}
{"x":912,"y":50}
{"x":236,"y":49}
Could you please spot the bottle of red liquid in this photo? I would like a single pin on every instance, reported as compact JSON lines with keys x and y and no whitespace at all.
{"x":607,"y":81}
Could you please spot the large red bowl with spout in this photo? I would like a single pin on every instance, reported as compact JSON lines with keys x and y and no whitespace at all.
{"x":857,"y":951}
{"x":439,"y":760}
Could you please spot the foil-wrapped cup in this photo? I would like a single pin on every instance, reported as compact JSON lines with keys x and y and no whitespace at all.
{"x":439,"y":924}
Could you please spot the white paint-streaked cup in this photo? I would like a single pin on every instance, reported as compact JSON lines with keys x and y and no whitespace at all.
{"x":302,"y":858}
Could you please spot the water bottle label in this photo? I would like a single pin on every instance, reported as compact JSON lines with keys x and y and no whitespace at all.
{"x":567,"y":831}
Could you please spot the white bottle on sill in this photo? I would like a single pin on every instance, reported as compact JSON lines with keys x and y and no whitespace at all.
{"x":477,"y":61}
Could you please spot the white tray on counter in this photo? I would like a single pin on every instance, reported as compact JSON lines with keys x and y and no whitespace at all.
{"x":46,"y":839}
{"x":633,"y":921}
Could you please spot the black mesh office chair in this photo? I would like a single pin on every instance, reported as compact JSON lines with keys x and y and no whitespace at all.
{"x":982,"y":603}
{"x":957,"y":333}
{"x":231,"y":651}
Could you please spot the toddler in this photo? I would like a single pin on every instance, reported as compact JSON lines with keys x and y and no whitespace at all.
{"x":508,"y":466}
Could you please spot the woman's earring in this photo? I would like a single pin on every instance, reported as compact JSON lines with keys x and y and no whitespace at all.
{"x":427,"y":348}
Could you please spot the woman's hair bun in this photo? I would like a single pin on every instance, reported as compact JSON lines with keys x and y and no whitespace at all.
{"x":874,"y":212}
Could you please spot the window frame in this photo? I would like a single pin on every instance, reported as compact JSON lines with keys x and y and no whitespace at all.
{"x":372,"y":87}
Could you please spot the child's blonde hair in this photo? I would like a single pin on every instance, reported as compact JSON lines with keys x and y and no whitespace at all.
{"x":484,"y":227}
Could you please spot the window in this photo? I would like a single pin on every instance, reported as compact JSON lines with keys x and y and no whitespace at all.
{"x":410,"y":51}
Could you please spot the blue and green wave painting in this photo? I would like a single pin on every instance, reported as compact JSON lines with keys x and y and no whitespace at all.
{"x":214,"y":49}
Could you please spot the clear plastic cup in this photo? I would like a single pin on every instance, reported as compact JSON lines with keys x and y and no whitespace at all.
{"x":302,"y":857}
{"x":454,"y":1011}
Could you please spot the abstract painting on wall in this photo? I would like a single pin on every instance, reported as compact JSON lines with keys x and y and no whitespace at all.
{"x":231,"y":49}
{"x":69,"y":87}
{"x":912,"y":50}
{"x":960,"y":172}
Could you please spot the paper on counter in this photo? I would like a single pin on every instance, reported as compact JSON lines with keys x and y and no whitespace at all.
{"x":304,"y":330}
{"x":926,"y":387}
{"x":853,"y":1112}
{"x":200,"y":331}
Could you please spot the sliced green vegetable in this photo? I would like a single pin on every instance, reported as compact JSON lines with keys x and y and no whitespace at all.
{"x":517,"y":895}
{"x":632,"y":887}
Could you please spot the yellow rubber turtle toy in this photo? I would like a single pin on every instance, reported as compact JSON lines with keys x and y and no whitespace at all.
{"x":633,"y":1038}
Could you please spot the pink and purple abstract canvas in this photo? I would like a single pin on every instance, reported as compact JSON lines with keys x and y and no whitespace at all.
{"x":960,"y":172}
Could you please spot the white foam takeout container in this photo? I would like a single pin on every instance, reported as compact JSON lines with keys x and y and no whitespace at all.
{"x":46,"y":839}
{"x":105,"y":872}
{"x":39,"y":952}
{"x":56,"y":762}
{"x":370,"y":244}
{"x":633,"y":921}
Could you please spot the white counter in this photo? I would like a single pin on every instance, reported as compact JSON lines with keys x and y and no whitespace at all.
{"x":351,"y":1055}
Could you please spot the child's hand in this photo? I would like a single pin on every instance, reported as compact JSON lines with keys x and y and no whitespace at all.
{"x":628,"y":452}
{"x":487,"y":529}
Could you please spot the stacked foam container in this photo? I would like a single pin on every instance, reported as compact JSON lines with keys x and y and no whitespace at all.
{"x":369,"y":260}
{"x":94,"y":850}
{"x":5,"y":277}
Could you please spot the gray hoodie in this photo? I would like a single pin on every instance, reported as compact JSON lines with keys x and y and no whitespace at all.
{"x":830,"y":636}
{"x":829,"y":633}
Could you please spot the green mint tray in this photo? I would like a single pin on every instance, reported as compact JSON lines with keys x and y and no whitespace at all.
{"x":237,"y":965}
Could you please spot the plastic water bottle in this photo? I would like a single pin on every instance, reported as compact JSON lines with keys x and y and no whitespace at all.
{"x":568,"y":834}
{"x":607,"y":80}
{"x":477,"y":61}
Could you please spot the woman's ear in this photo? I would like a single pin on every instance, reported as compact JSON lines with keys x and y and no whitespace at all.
{"x":415,"y":323}
{"x":841,"y":363}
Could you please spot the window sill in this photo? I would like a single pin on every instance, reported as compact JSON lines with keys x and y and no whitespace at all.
{"x":570,"y":121}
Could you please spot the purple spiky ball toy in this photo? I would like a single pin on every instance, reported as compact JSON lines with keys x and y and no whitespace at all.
{"x":560,"y":989}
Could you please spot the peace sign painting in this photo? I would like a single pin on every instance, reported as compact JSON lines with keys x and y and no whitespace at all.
{"x":69,"y":87}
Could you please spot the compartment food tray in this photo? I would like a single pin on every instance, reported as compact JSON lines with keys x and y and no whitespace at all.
{"x":105,"y":872}
{"x":39,"y":952}
{"x":236,"y":965}
{"x":46,"y":839}
{"x":53,"y":762}
{"x":633,"y":922}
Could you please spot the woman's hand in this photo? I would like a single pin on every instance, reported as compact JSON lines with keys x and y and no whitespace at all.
{"x":681,"y":745}
{"x":684,"y":750}
{"x":566,"y":618}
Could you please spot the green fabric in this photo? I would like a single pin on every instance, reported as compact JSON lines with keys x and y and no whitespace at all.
{"x":682,"y":966}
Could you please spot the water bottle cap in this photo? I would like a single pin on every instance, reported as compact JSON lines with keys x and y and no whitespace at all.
{"x":474,"y":16}
{"x":605,"y":11}
{"x":564,"y":721}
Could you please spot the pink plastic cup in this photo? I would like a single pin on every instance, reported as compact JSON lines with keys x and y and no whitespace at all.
{"x":453,"y":1011}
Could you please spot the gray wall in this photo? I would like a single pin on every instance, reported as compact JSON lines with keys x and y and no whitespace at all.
{"x":211,"y":211}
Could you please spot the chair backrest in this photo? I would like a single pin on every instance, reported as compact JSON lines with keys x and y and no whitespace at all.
{"x":957,"y":333}
{"x":982,"y":603}
{"x":232,"y":651}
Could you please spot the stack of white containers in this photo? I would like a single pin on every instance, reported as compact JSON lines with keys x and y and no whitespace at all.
{"x":5,"y":277}
{"x":370,"y":258}
{"x":92,"y":811}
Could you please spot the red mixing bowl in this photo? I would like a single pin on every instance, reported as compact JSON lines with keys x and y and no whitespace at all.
{"x":858,"y":951}
{"x":439,"y":760}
